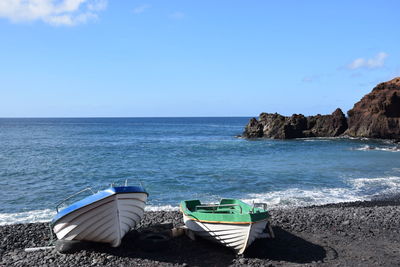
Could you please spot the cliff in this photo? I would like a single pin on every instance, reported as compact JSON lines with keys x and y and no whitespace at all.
{"x":377,"y":114}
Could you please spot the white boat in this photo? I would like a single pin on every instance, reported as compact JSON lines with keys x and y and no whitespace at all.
{"x":102,"y":217}
{"x":231,"y":223}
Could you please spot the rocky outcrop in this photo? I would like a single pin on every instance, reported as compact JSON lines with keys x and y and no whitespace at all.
{"x":327,"y":125}
{"x":276,"y":126}
{"x":377,"y":114}
{"x":253,"y":129}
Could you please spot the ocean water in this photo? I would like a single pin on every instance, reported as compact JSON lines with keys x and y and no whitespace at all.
{"x":42,"y":161}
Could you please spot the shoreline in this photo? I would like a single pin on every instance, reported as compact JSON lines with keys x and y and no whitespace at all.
{"x":361,"y":233}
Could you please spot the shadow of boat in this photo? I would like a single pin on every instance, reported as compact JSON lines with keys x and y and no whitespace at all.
{"x":181,"y":250}
{"x":286,"y":247}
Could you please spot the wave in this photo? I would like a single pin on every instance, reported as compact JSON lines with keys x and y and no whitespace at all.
{"x":377,"y":186}
{"x":32,"y":216}
{"x":356,"y":138}
{"x":36,"y":216}
{"x":316,"y":139}
{"x":161,"y":208}
{"x":296,"y":197}
{"x":357,"y":189}
{"x":360,"y":189}
{"x":388,"y":149}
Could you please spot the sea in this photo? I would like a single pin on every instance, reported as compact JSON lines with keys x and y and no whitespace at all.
{"x":45,"y":160}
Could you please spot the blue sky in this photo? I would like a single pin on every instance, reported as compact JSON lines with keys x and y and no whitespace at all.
{"x":77,"y":58}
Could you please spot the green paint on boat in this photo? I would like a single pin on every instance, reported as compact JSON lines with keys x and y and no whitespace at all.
{"x":227,"y":211}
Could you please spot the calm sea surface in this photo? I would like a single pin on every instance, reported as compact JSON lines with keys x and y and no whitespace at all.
{"x":43,"y":161}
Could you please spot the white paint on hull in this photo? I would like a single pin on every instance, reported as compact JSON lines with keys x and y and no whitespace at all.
{"x":235,"y":236}
{"x":106,"y":220}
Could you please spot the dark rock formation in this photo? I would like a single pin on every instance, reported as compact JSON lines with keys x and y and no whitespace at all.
{"x":254,"y":129}
{"x":327,"y":125}
{"x":377,"y":114}
{"x":277,"y":126}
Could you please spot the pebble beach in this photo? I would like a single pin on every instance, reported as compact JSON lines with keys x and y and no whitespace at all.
{"x":345,"y":234}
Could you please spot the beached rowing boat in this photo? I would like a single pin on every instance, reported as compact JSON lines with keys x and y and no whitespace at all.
{"x":102,"y":217}
{"x":232,"y":222}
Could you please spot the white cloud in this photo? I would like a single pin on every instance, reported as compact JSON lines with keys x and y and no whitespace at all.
{"x":54,"y":12}
{"x":377,"y":61}
{"x":140,"y":9}
{"x":97,"y":5}
{"x":177,"y":15}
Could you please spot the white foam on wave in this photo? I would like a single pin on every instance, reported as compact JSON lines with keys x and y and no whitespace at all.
{"x":377,"y":186}
{"x":296,"y":197}
{"x":32,"y":216}
{"x":354,"y":138}
{"x":363,"y":148}
{"x":317,"y":139}
{"x":388,"y":149}
{"x":161,"y":208}
{"x":35,"y":216}
{"x":360,"y":189}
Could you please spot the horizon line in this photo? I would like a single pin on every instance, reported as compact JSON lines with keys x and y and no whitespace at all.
{"x":124,"y":117}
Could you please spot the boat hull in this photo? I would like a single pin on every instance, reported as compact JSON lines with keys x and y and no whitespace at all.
{"x":236,"y":236}
{"x":105,"y":220}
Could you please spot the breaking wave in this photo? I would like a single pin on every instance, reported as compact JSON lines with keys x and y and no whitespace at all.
{"x":386,"y":148}
{"x":161,"y":208}
{"x":32,"y":216}
{"x":300,"y":197}
{"x":36,"y":216}
{"x":359,"y":189}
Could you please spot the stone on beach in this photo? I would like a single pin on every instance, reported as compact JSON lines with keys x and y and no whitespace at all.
{"x":347,"y":234}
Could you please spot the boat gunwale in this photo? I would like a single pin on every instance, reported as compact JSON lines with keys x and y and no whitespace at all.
{"x":243,"y":218}
{"x":101,"y":195}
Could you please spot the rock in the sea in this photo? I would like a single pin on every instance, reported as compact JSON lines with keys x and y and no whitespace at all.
{"x":327,"y":125}
{"x":276,"y":126}
{"x":253,"y":129}
{"x":377,"y":114}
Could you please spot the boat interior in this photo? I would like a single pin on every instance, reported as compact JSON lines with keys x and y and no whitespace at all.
{"x":226,"y":206}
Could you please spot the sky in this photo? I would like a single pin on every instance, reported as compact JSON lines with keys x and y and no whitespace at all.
{"x":114,"y":58}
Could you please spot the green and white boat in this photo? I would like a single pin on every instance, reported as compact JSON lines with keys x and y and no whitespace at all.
{"x":232,"y":222}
